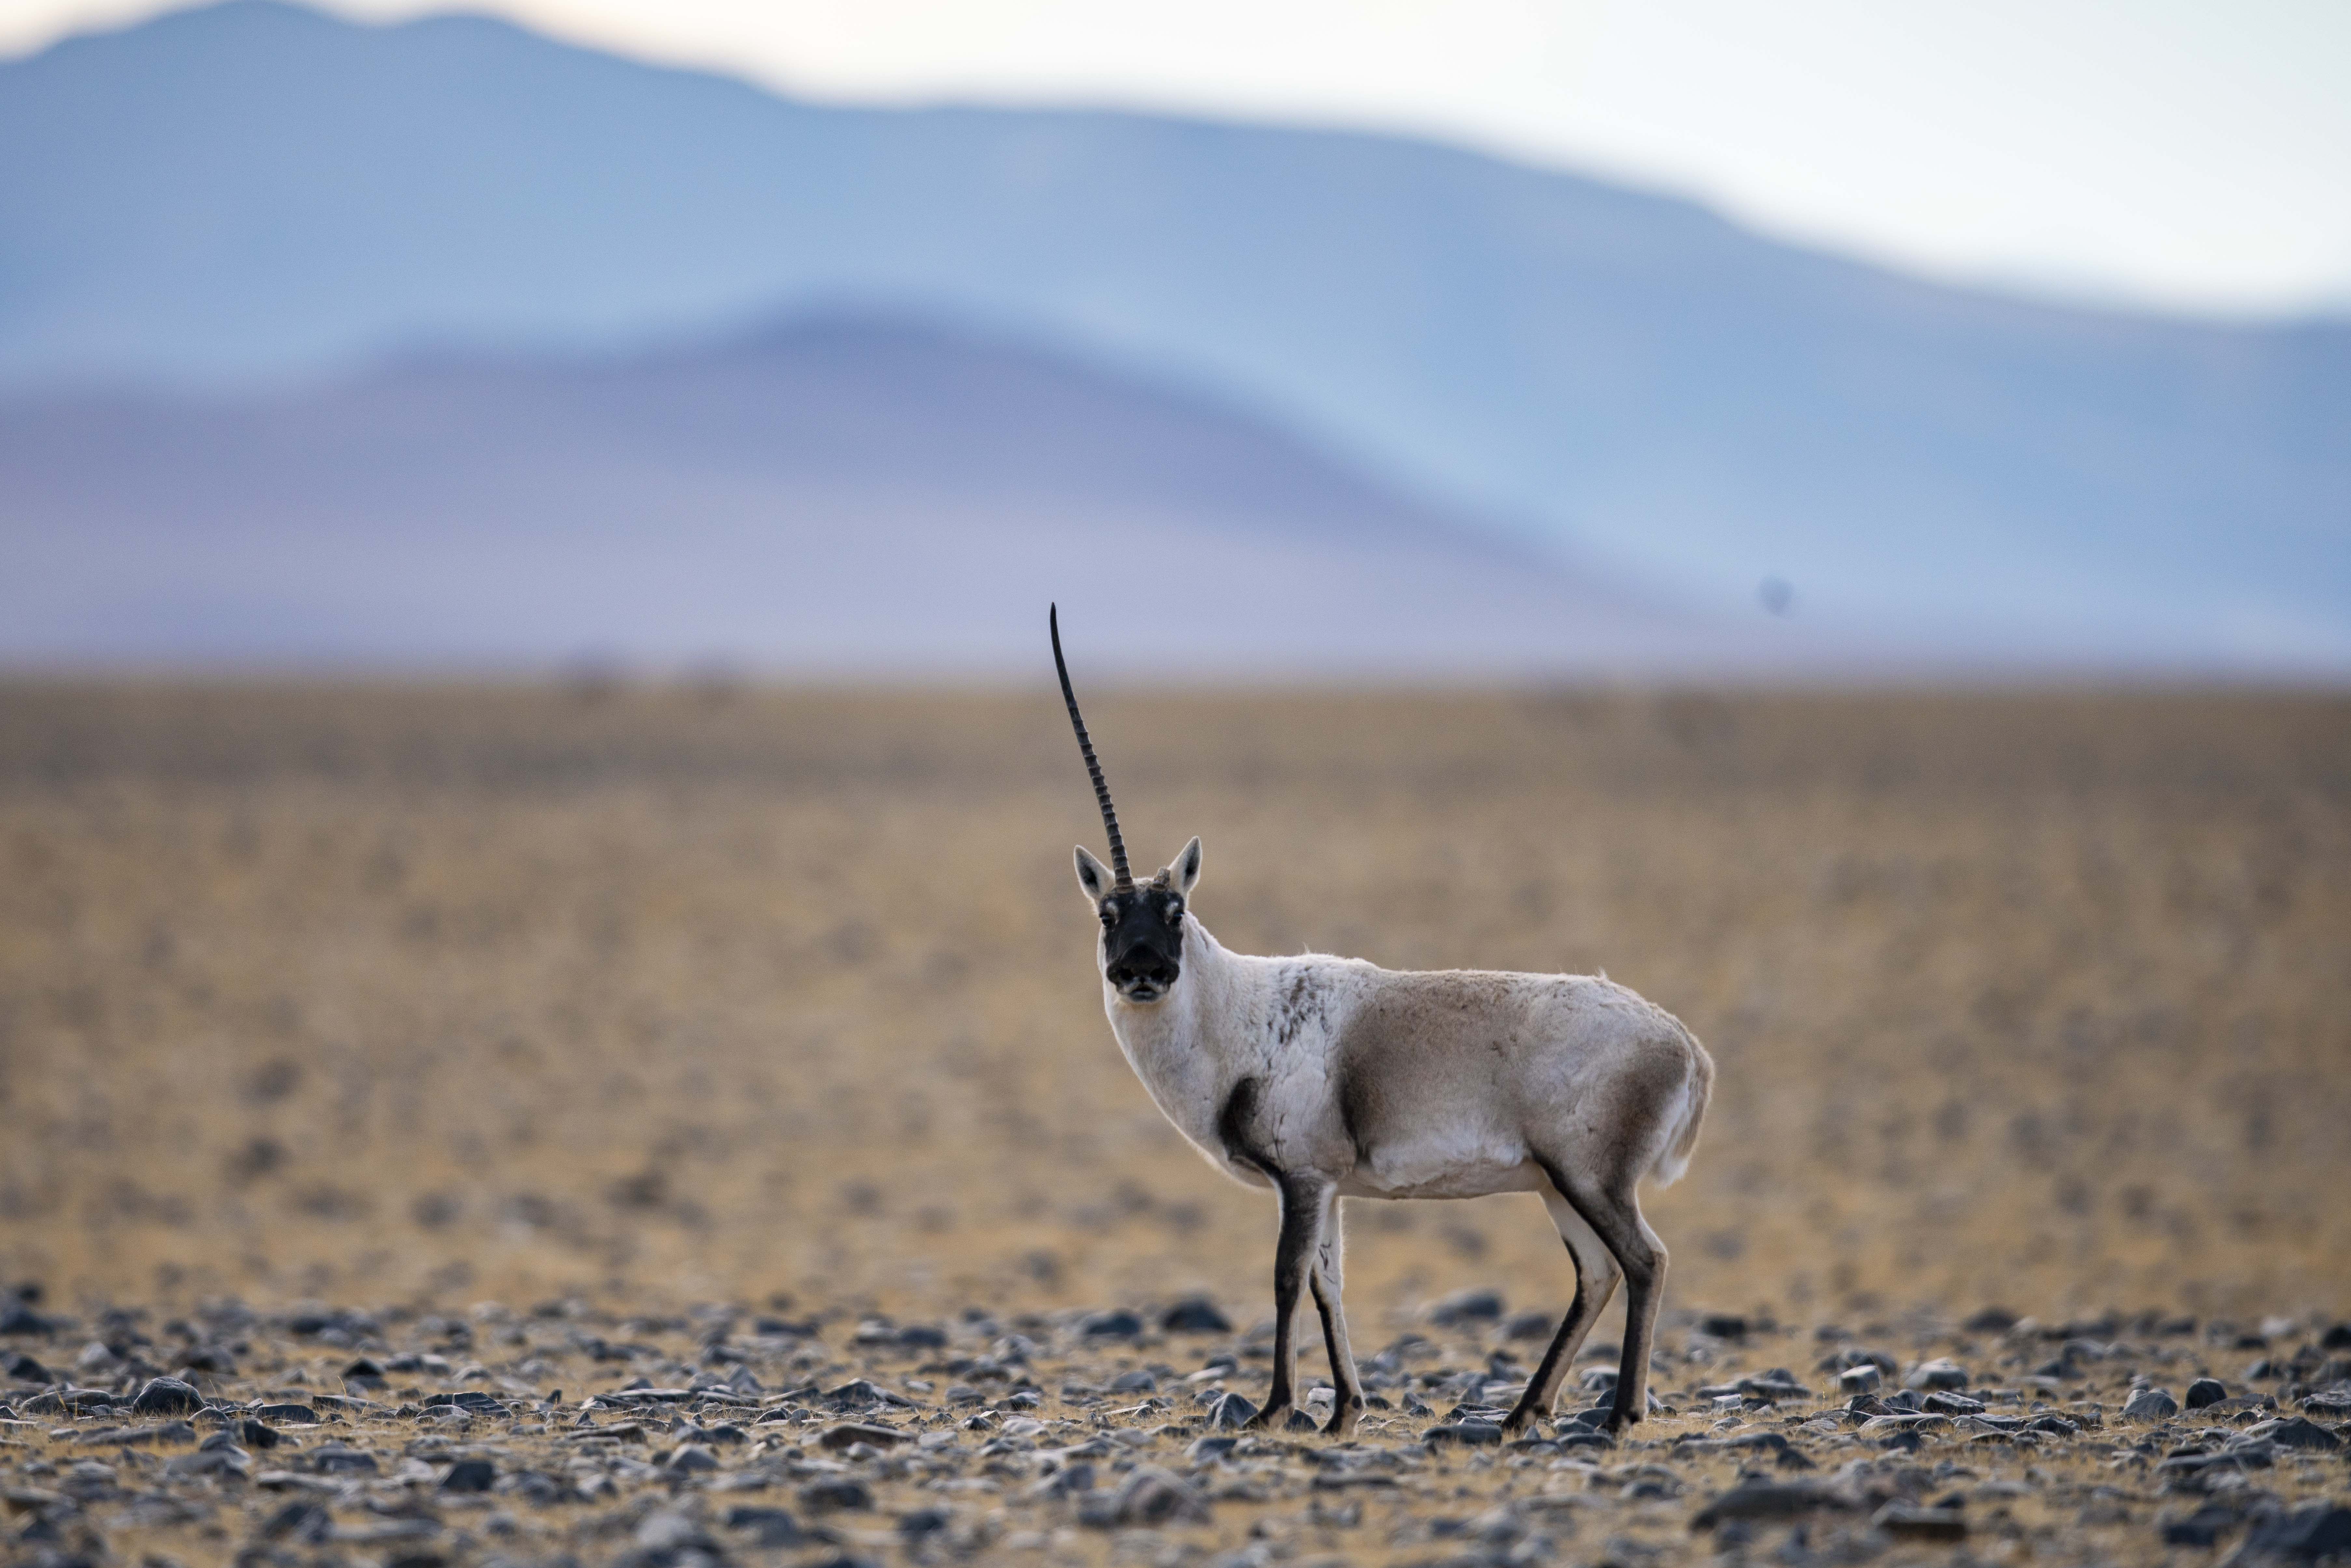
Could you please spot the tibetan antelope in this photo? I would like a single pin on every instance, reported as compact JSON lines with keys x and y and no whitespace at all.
{"x":1326,"y":1078}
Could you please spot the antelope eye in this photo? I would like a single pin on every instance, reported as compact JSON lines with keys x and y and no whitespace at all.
{"x":1175,"y":909}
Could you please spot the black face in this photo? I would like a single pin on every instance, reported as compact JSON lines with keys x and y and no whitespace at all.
{"x":1143,"y":941}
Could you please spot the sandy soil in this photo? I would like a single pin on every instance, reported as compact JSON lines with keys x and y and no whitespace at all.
{"x":512,"y":1024}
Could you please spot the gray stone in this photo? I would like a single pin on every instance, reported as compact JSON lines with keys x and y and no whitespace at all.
{"x":1194,"y":1314}
{"x":851,"y":1432}
{"x":479,"y":1402}
{"x":1478,"y":1304}
{"x":2304,"y":1535}
{"x":2206,"y":1391}
{"x":2296,"y":1432}
{"x":1116,"y":1323}
{"x":1862,"y":1379}
{"x":16,"y":1318}
{"x":2150,"y":1405}
{"x":1153,"y":1498}
{"x":300,"y":1521}
{"x":2203,"y":1528}
{"x":1470,"y":1434}
{"x":1769,"y":1501}
{"x":1775,"y":1384}
{"x":860,"y":1393}
{"x":665,"y":1530}
{"x":1941,"y":1373}
{"x":769,"y":1527}
{"x":468,"y":1475}
{"x":227,"y":1461}
{"x":836,"y":1492}
{"x":167,"y":1396}
{"x":335,"y":1459}
{"x":1233,"y":1410}
{"x":1530,"y":1325}
{"x":1904,"y":1522}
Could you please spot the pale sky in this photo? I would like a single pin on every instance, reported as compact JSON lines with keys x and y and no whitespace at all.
{"x":2188,"y":153}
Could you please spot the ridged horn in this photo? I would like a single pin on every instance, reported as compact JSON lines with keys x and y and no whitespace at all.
{"x":1085,"y":747}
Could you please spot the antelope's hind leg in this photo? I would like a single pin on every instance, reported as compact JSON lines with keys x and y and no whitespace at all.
{"x":1329,"y":1281}
{"x":1595,"y":1283}
{"x":1615,"y":1215}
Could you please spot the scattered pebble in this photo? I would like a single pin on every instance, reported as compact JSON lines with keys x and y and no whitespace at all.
{"x":1906,"y":1522}
{"x":1862,"y":1379}
{"x":1194,"y":1314}
{"x":1479,"y":1304}
{"x":705,"y":1445}
{"x":166,"y":1396}
{"x":1941,"y":1373}
{"x":1770,"y":1500}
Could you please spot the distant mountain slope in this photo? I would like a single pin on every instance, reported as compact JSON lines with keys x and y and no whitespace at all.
{"x":851,"y":496}
{"x":256,"y":188}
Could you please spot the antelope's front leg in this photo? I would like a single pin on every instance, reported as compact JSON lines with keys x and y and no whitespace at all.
{"x":1293,"y":1257}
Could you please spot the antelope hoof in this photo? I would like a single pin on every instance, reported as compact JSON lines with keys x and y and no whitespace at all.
{"x":1518,"y":1421}
{"x":1343,"y":1420}
{"x":1620,"y":1417}
{"x":1273,"y":1418}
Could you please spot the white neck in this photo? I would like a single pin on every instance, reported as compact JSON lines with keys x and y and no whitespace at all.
{"x":1191,"y":1047}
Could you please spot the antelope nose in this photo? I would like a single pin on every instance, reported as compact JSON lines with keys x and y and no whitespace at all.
{"x":1155,"y":970}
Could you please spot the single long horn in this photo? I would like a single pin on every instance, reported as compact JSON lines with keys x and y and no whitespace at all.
{"x":1093,"y":769}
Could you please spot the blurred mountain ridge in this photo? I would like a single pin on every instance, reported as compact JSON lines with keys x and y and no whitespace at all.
{"x":839,"y":495}
{"x":254,"y":190}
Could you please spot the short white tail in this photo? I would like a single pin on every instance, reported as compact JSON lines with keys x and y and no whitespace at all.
{"x":1681,"y":1132}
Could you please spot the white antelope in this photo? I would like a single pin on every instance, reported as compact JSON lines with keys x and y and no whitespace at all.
{"x":1326,"y":1078}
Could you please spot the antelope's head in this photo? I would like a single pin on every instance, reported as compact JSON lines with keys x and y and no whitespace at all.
{"x":1142,"y":952}
{"x":1142,"y":948}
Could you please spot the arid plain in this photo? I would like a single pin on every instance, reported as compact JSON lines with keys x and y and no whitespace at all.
{"x":621,"y":1004}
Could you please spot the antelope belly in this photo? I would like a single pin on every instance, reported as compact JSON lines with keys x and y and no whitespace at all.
{"x":1434,"y":1168}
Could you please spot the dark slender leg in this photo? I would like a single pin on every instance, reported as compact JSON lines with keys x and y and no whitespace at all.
{"x":1329,"y":1282}
{"x":1536,"y":1402}
{"x":1644,"y":1286}
{"x":1595,"y":1283}
{"x":1617,"y":1219}
{"x":1293,"y":1259}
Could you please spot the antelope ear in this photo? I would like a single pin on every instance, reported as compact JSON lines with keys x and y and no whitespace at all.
{"x":1183,"y":873}
{"x":1093,"y":876}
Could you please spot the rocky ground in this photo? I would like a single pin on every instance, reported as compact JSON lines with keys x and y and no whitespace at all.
{"x":731,"y":1434}
{"x":622,"y":1000}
